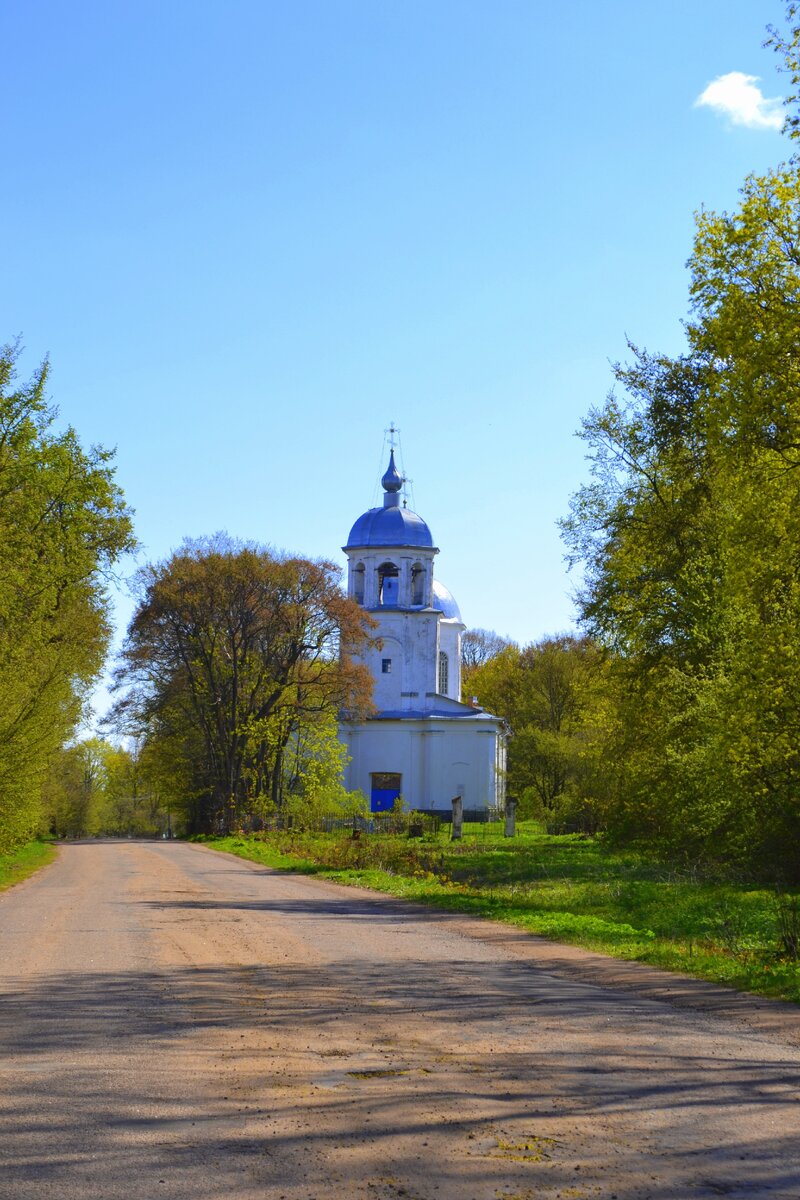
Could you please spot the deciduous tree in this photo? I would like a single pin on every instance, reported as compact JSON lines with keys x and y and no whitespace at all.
{"x":63,"y":524}
{"x":478,"y":646}
{"x":689,"y":536}
{"x":232,"y":647}
{"x":548,"y":692}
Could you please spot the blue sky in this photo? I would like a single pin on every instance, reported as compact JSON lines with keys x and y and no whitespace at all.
{"x":250,"y":235}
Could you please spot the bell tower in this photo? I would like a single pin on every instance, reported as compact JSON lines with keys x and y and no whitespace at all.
{"x":422,"y":744}
{"x":390,"y":555}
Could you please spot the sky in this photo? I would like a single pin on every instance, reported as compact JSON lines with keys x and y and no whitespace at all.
{"x":251,"y":235}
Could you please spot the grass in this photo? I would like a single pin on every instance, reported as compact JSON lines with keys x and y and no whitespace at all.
{"x":567,"y":888}
{"x":22,"y":862}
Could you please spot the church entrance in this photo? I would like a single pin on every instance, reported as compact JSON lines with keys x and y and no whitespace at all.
{"x":386,"y":787}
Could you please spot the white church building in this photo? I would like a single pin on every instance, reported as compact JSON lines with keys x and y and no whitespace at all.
{"x":422,"y":743}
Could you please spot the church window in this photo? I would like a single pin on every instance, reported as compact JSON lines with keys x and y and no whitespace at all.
{"x":358,"y":583}
{"x":443,"y":673}
{"x":386,"y":666}
{"x":417,"y":584}
{"x":388,"y":583}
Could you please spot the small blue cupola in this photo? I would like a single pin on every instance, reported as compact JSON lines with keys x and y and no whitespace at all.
{"x":391,"y":483}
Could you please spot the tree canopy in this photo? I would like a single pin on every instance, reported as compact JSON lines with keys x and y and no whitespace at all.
{"x":63,"y":524}
{"x":478,"y":646}
{"x":550,"y":693}
{"x":689,"y":536}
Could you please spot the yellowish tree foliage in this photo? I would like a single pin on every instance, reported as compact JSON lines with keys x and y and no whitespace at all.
{"x":63,"y":524}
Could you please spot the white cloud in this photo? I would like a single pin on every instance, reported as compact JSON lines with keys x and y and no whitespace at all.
{"x":738,"y":96}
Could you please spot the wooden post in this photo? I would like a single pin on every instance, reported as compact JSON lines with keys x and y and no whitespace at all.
{"x":458,"y":817}
{"x":511,"y":818}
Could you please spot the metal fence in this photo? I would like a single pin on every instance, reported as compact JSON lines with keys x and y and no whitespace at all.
{"x":417,"y":823}
{"x":414,"y":824}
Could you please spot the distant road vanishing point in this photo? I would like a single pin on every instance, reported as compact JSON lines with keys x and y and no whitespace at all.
{"x":180,"y":1023}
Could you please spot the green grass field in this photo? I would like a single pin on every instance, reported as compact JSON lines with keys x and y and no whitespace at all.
{"x":21,"y":863}
{"x":570,"y":889}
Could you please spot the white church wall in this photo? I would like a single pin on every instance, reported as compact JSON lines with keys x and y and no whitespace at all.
{"x":437,"y":759}
{"x":463,"y":764}
{"x":409,"y":641}
{"x":387,"y":667}
{"x":388,"y":748}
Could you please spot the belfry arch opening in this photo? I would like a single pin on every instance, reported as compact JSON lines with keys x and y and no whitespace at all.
{"x":417,"y":583}
{"x":388,"y":583}
{"x":358,"y":583}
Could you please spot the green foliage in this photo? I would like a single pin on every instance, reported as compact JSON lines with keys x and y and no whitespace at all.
{"x":570,"y":888}
{"x":75,"y":791}
{"x":787,"y":910}
{"x":478,"y":646}
{"x":63,"y":524}
{"x":787,"y":45}
{"x":315,"y":789}
{"x":552,"y":697}
{"x":96,"y":788}
{"x":689,"y":536}
{"x":133,"y":800}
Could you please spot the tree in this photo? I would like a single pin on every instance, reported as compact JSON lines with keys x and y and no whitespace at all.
{"x":75,"y":790}
{"x":477,"y":647}
{"x":94,"y":787}
{"x":63,"y":524}
{"x":548,"y":693}
{"x":134,"y":803}
{"x":231,"y":650}
{"x":689,"y":536}
{"x":313,"y":770}
{"x":787,"y":46}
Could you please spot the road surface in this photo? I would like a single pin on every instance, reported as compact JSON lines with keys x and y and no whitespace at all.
{"x":179,"y":1023}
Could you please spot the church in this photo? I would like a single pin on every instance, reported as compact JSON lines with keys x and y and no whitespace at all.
{"x":422,"y":744}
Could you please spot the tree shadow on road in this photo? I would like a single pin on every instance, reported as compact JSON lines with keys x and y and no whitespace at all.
{"x":320,"y":1081}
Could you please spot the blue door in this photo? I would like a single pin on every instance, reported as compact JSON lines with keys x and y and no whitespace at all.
{"x":386,"y":787}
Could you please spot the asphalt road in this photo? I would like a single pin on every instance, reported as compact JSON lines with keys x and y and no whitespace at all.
{"x":178,"y":1023}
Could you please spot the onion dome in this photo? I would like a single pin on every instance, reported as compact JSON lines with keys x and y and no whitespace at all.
{"x":392,"y":480}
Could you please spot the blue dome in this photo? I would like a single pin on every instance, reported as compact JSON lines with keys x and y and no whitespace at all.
{"x":392,"y":526}
{"x":444,"y":603}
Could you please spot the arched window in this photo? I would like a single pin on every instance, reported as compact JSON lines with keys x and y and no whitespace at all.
{"x":388,"y":583}
{"x":417,"y":584}
{"x":443,"y":673}
{"x":358,"y":583}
